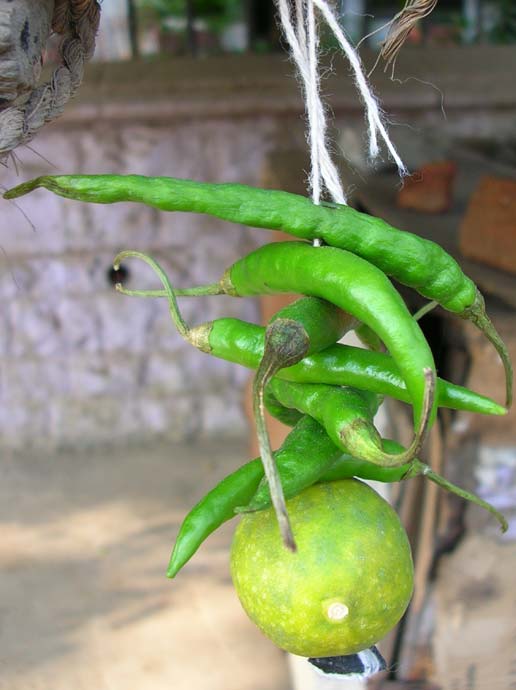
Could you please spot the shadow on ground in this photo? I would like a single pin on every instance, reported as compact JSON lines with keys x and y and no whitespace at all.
{"x":84,"y":601}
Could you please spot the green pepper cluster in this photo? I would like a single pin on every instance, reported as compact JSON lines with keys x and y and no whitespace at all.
{"x":328,"y":392}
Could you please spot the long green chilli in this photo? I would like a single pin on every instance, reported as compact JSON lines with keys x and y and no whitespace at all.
{"x":345,"y":413}
{"x":346,"y":467}
{"x":302,"y":472}
{"x":410,"y":259}
{"x":286,"y":343}
{"x":307,"y":325}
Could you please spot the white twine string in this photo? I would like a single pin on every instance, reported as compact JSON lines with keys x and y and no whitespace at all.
{"x":303,"y":45}
{"x":314,"y":105}
{"x":300,"y":17}
{"x":303,"y":40}
{"x":371,"y":104}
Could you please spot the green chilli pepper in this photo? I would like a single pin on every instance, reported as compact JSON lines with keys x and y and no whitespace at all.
{"x":347,"y":416}
{"x":307,"y":325}
{"x":324,"y":323}
{"x":410,"y":259}
{"x":345,"y":467}
{"x":295,"y":477}
{"x":286,"y":343}
{"x":307,"y":440}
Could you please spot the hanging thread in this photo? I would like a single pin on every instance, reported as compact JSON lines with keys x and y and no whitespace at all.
{"x":302,"y":36}
{"x":303,"y":43}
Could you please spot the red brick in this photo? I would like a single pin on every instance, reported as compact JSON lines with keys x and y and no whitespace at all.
{"x":488,"y":230}
{"x":430,"y":189}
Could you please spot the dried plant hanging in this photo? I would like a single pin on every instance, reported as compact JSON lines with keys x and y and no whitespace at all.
{"x":401,"y":26}
{"x":20,"y":118}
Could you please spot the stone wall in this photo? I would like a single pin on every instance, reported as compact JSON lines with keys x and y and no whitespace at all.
{"x":82,"y":364}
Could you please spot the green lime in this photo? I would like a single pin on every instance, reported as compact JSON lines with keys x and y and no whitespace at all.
{"x":347,"y":585}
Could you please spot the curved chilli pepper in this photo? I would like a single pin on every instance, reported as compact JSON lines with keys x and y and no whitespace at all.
{"x":323,"y":322}
{"x":353,"y":284}
{"x":307,"y":440}
{"x":295,"y":478}
{"x":347,"y":416}
{"x":410,"y":259}
{"x":347,"y":466}
{"x":342,"y":365}
{"x":414,"y":261}
{"x":217,"y":507}
{"x":286,"y":343}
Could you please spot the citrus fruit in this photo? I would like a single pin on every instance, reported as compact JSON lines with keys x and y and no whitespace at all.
{"x":347,"y":585}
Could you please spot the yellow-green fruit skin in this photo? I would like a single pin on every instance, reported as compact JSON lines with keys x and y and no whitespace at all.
{"x":352,"y":555}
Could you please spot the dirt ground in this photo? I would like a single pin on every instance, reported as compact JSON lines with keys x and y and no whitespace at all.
{"x":84,"y":601}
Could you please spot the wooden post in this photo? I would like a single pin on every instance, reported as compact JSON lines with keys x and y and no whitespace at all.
{"x":191,"y":36}
{"x":132,"y":21}
{"x":247,"y":15}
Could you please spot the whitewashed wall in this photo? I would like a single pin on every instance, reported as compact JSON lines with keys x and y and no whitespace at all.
{"x":82,"y":364}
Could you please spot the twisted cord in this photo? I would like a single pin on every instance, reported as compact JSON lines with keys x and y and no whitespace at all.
{"x":303,"y":39}
{"x":374,"y":118}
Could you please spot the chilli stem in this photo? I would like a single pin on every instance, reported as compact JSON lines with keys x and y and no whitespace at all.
{"x":426,"y":471}
{"x":168,"y":292}
{"x":477,"y":315}
{"x":286,"y":342}
{"x":424,"y":310}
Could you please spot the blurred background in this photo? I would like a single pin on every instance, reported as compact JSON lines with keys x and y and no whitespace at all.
{"x":112,"y":427}
{"x":207,"y":27}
